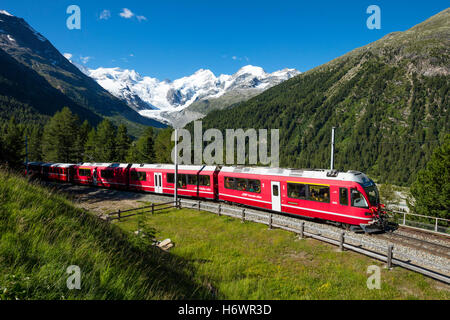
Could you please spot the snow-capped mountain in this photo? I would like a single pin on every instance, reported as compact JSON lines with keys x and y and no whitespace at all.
{"x":163,"y":100}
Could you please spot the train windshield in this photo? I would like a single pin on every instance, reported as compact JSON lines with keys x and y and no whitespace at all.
{"x":372,"y":194}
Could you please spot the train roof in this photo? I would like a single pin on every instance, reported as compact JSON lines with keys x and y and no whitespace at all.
{"x":57,"y":165}
{"x":351,"y":175}
{"x":172,"y":167}
{"x":99,"y":164}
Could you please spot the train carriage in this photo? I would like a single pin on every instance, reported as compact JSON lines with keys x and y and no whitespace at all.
{"x":346,"y":198}
{"x":193,"y":181}
{"x":109,"y":175}
{"x":57,"y":171}
{"x":349,"y":198}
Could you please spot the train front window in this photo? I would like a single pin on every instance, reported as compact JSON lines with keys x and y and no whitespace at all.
{"x":358,"y":199}
{"x":372,"y":194}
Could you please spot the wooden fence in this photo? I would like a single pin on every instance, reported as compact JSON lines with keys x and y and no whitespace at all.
{"x":141,"y":210}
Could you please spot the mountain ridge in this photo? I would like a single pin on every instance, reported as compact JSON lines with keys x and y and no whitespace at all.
{"x":29,"y":48}
{"x":389,"y":101}
{"x":164,"y":100}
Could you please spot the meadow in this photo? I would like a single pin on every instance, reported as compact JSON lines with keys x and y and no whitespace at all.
{"x":42,"y":233}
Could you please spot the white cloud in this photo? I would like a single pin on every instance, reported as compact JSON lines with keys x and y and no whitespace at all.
{"x":85,"y":60}
{"x":131,"y":55}
{"x":126,"y":13}
{"x":105,"y":15}
{"x":141,"y":18}
{"x":236,"y":58}
{"x":67,"y":55}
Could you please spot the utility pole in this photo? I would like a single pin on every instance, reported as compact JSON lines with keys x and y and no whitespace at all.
{"x":26,"y":152}
{"x":175,"y":194}
{"x":332,"y":149}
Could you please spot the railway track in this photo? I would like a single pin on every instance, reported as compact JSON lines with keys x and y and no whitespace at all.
{"x":431,"y":247}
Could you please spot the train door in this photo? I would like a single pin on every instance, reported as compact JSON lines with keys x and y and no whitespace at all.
{"x":276,"y":196}
{"x":158,"y":182}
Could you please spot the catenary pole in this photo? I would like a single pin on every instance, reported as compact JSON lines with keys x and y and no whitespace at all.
{"x":175,"y":194}
{"x":332,"y":148}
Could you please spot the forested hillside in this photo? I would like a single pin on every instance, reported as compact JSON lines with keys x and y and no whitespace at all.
{"x":388,"y":100}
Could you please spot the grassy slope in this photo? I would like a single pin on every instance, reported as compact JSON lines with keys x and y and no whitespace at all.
{"x":41,"y":234}
{"x":246,"y":261}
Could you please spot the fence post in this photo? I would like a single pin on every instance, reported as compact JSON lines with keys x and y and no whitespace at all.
{"x":198,"y":205}
{"x":341,"y":241}
{"x":119,"y":215}
{"x":153,"y":208}
{"x":179,"y":203}
{"x":302,"y":229}
{"x":218,"y":209}
{"x":389,"y":256}
{"x":436,"y":225}
{"x":270,"y":221}
{"x":243,"y":215}
{"x":404,"y":218}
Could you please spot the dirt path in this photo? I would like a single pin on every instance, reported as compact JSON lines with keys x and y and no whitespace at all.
{"x":103,"y":200}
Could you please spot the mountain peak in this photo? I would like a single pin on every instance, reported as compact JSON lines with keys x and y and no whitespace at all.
{"x":254,"y":70}
{"x":6,"y":13}
{"x":156,"y":99}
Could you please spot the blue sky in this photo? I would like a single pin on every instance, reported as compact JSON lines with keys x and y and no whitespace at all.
{"x":172,"y":39}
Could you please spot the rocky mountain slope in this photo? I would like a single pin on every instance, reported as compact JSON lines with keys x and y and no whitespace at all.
{"x":182,"y":100}
{"x":43,"y":66}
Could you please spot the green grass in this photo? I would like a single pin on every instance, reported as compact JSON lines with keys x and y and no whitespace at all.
{"x":42,"y":233}
{"x":248,"y":261}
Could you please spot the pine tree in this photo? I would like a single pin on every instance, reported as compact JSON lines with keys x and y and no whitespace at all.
{"x":164,"y":145}
{"x":35,"y":144}
{"x":59,"y":138}
{"x":13,"y":144}
{"x":142,"y":151}
{"x":106,"y":142}
{"x":82,"y":138}
{"x":123,"y":144}
{"x":89,"y":154}
{"x":431,"y":190}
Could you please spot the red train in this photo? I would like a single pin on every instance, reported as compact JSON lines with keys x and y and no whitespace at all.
{"x":348,"y":198}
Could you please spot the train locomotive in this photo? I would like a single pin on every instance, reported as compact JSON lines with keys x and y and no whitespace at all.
{"x":348,"y":199}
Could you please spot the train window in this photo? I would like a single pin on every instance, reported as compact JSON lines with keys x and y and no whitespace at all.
{"x":358,"y":199}
{"x":254,"y":186}
{"x":296,"y":190}
{"x":138,"y":176}
{"x":84,"y":172}
{"x":107,"y":174}
{"x":205,"y":181}
{"x":229,"y":183}
{"x":181,"y":181}
{"x":319,"y":193}
{"x":170,"y":178}
{"x":241,"y":184}
{"x":275,"y":190}
{"x":343,"y":196}
{"x":192,"y":179}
